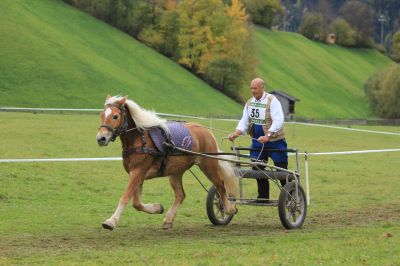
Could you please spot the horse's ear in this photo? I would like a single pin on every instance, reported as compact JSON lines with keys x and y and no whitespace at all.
{"x":122,"y":101}
{"x":108,"y":96}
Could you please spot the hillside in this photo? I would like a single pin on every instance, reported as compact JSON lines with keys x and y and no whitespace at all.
{"x":328,"y":79}
{"x":53,"y":55}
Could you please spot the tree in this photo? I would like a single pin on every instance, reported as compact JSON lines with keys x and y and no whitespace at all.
{"x":344,"y":34}
{"x":324,"y":7}
{"x":264,"y":12}
{"x":396,"y":46}
{"x":360,"y":16}
{"x":199,"y":25}
{"x":383,"y":92}
{"x":312,"y":26}
{"x":232,"y":64}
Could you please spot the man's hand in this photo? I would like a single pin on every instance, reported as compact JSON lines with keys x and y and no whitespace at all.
{"x":263,"y":139}
{"x":233,"y":136}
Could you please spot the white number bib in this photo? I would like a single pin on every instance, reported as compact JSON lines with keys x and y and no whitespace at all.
{"x":257,"y":113}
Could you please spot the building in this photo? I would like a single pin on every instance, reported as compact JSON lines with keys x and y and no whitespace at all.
{"x":331,"y":38}
{"x":287,"y":101}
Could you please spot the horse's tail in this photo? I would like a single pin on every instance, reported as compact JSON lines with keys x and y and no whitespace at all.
{"x":227,"y":173}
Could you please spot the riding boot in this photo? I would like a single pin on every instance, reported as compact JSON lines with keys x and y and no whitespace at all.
{"x":283,"y":165}
{"x":263,"y":184}
{"x":263,"y":188}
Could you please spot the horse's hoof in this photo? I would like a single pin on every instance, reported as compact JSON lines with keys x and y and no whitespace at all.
{"x":167,"y":226}
{"x":108,"y":225}
{"x":161,"y":209}
{"x":232,"y":211}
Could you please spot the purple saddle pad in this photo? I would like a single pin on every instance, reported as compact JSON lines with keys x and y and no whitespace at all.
{"x":180,"y":136}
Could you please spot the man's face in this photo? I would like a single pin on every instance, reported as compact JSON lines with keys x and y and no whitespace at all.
{"x":257,"y":89}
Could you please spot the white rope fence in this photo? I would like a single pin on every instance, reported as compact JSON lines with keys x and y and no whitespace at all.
{"x":119,"y":158}
{"x":350,"y":129}
{"x":306,"y":155}
{"x":27,"y":109}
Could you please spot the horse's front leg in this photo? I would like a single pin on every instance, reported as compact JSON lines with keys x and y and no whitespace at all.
{"x":136,"y":177}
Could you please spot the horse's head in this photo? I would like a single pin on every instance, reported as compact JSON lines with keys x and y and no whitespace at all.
{"x":113,"y":120}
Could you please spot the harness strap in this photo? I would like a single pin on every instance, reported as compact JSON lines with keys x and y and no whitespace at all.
{"x":141,"y":150}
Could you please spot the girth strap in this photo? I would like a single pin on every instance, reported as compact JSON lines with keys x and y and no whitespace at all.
{"x":141,"y":150}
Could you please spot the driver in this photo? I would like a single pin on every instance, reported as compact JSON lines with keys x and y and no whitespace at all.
{"x":263,"y":120}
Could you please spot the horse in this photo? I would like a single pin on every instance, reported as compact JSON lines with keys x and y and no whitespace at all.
{"x":122,"y":117}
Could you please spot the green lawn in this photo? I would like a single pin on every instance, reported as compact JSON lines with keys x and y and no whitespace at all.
{"x":51,"y":212}
{"x":328,"y":79}
{"x":52,"y":55}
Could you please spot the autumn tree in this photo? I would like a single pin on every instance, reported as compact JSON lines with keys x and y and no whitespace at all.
{"x":233,"y":64}
{"x":198,"y":30}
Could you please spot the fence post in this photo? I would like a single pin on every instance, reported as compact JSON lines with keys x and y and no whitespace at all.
{"x":307,"y":181}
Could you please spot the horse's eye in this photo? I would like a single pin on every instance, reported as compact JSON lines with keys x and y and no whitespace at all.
{"x":115,"y":117}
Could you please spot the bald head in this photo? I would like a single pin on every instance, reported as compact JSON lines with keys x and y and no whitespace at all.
{"x":257,"y":88}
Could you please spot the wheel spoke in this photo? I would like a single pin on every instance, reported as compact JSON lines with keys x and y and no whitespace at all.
{"x":294,"y":217}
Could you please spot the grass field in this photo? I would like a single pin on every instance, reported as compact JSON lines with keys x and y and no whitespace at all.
{"x":51,"y":212}
{"x":328,"y":79}
{"x":53,"y":55}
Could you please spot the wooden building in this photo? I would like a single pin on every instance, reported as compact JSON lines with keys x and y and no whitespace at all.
{"x":287,"y":101}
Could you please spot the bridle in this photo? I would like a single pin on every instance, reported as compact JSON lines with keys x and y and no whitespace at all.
{"x":122,"y":128}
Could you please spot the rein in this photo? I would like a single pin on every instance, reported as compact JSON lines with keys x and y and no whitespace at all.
{"x":123,"y":128}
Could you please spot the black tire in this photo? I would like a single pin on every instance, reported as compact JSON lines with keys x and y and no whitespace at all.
{"x":215,"y":208}
{"x":288,"y":208}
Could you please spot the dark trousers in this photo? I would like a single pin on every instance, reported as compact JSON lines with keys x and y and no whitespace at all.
{"x":263,"y":184}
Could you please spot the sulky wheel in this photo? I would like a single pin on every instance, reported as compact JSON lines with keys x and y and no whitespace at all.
{"x":215,"y":208}
{"x":292,"y":209}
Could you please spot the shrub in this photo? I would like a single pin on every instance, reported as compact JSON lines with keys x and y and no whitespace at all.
{"x":383,"y":92}
{"x":345,"y":35}
{"x":396,"y":46}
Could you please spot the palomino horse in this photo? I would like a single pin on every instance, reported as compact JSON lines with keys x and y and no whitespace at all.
{"x":124,"y":118}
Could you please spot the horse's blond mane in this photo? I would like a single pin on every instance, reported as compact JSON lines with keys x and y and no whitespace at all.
{"x":142,"y":118}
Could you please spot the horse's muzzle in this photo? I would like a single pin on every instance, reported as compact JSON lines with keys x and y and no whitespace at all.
{"x":102,"y":140}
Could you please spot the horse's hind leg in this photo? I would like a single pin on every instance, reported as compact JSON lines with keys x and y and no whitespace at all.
{"x":210,"y":168}
{"x":176,"y":184}
{"x":151,"y":208}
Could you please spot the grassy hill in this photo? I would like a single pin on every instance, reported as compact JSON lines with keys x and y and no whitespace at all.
{"x":328,"y":79}
{"x":52,"y":55}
